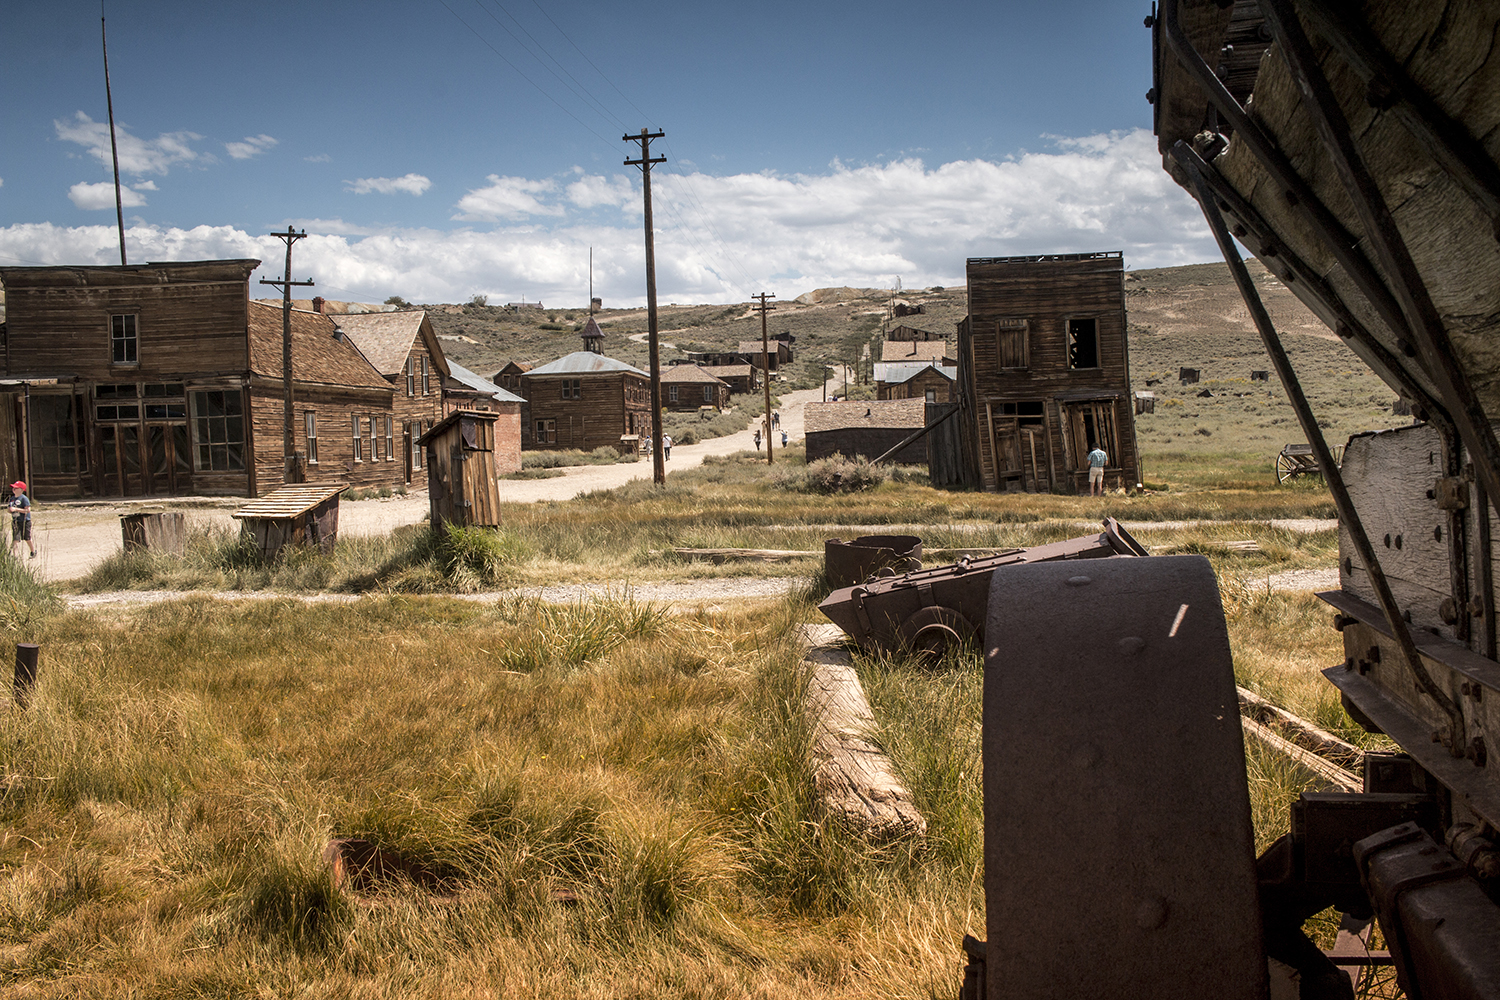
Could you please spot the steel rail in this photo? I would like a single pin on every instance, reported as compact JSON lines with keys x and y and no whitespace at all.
{"x":1348,"y":515}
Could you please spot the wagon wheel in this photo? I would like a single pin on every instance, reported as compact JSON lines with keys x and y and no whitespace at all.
{"x":935,"y":630}
{"x":1285,"y":467}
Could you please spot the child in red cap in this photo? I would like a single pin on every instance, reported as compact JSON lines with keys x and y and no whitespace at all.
{"x":20,"y":518}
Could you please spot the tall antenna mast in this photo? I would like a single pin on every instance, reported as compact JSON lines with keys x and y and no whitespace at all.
{"x":591,"y":281}
{"x":114,"y":152}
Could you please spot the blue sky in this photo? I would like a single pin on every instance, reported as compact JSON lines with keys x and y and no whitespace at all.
{"x":437,"y":149}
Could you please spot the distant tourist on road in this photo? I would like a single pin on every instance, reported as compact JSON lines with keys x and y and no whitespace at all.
{"x":783,"y":439}
{"x":666,"y":447}
{"x":757,"y":439}
{"x":20,"y":518}
{"x":775,"y":419}
{"x":1097,"y":460}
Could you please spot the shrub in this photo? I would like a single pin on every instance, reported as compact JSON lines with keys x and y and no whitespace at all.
{"x":831,"y":475}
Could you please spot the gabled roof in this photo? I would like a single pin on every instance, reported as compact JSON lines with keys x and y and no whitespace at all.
{"x":515,"y":368}
{"x":584,"y":363}
{"x":892,"y":374}
{"x":913,"y":350}
{"x":901,"y":414}
{"x":691,"y":373}
{"x":386,"y":338}
{"x":317,"y":356}
{"x":479,"y":383}
{"x":730,"y":371}
{"x":753,"y":346}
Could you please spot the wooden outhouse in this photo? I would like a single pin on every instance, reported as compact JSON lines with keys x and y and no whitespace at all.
{"x":461,"y":481}
{"x":293,"y":515}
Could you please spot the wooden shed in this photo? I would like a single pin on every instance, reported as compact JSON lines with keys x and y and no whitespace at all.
{"x":293,"y":515}
{"x":461,"y":482}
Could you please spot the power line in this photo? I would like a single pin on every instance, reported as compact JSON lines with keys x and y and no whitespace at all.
{"x":586,"y":59}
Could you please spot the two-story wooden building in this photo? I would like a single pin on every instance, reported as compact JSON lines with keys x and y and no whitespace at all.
{"x":1044,"y":372}
{"x":585,"y":401}
{"x":403,"y":347}
{"x":166,"y":379}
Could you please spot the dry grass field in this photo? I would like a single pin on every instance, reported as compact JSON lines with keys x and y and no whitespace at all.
{"x":607,"y":799}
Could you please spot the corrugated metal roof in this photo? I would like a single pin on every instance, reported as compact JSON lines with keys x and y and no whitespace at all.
{"x":894,"y":374}
{"x":481,"y":384}
{"x":584,"y":363}
{"x":873,"y":413}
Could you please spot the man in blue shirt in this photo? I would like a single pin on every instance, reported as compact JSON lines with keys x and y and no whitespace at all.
{"x":20,"y":518}
{"x":1097,"y":460}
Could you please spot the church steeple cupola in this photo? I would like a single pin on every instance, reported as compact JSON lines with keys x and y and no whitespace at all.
{"x":593,"y":337}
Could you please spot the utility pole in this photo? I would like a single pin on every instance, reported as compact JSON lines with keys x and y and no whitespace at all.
{"x":114,"y":152}
{"x":291,"y":461}
{"x":658,"y":466}
{"x":765,"y":361}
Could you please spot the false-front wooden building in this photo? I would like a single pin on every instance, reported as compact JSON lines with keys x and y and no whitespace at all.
{"x":586,"y":401}
{"x":1044,"y":371}
{"x":166,"y":379}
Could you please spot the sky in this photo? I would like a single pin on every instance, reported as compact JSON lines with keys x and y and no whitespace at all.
{"x":442,"y":149}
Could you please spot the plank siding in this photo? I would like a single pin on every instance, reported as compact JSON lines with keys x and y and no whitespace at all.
{"x":1046,"y":293}
{"x":603,"y":411}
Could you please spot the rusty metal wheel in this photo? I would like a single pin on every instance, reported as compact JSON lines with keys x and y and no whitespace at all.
{"x":936,"y":630}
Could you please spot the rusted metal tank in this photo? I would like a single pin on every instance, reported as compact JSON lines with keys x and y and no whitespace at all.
{"x":846,"y":564}
{"x":931,"y":610}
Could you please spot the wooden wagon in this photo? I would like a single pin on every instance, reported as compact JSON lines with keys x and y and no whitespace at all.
{"x":1297,"y":460}
{"x":293,"y":515}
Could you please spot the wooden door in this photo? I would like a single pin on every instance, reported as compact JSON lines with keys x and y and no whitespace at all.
{"x":169,"y":461}
{"x":120,"y":465}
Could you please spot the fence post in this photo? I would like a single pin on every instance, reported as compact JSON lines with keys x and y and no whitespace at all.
{"x":26,"y":660}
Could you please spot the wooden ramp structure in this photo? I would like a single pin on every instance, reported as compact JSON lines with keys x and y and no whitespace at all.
{"x":293,"y":515}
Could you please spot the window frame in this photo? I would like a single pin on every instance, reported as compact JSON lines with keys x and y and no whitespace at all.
{"x":359,"y":442}
{"x":131,"y":341}
{"x":203,"y":424}
{"x":390,"y":438}
{"x":411,"y":376}
{"x":426,"y":388}
{"x":310,"y":429}
{"x":1070,"y":345}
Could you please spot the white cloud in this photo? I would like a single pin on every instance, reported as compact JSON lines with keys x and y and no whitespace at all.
{"x":145,"y":186}
{"x":409,"y":184}
{"x":719,"y":238}
{"x":593,"y":191}
{"x":102,"y":195}
{"x":137,"y":156}
{"x":506,"y":198}
{"x":252,"y":146}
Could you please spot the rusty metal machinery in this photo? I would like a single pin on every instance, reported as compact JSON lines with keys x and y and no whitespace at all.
{"x":929,"y":611}
{"x":1354,"y":148}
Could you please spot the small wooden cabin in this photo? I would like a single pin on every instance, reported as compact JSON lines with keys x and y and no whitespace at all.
{"x":585,"y":401}
{"x":462,"y":487}
{"x":1044,"y":371}
{"x":688,"y":387}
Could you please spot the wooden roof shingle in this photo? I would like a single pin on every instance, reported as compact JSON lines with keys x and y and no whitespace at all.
{"x":913,"y":350}
{"x":318,"y":356}
{"x":905,"y":414}
{"x":386,"y":338}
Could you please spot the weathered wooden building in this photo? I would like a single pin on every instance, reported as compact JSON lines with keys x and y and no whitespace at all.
{"x":904,"y":332}
{"x":465,"y":390}
{"x":865,"y":429}
{"x":933,"y":383}
{"x":509,"y":377}
{"x":1044,"y":372}
{"x":690,"y":386}
{"x":586,"y":401}
{"x":464,"y":489}
{"x":740,"y":378}
{"x":166,"y":379}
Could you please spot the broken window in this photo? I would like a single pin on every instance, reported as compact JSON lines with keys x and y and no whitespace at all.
{"x":1013,"y":343}
{"x":54,"y":434}
{"x":1083,"y":343}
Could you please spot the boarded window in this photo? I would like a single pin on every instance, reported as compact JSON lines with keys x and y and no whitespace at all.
{"x":310,"y":420}
{"x":1091,"y":425}
{"x":54,"y":434}
{"x":1083,"y":343}
{"x":219,"y":427}
{"x":122,"y":339}
{"x":1013,"y":343}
